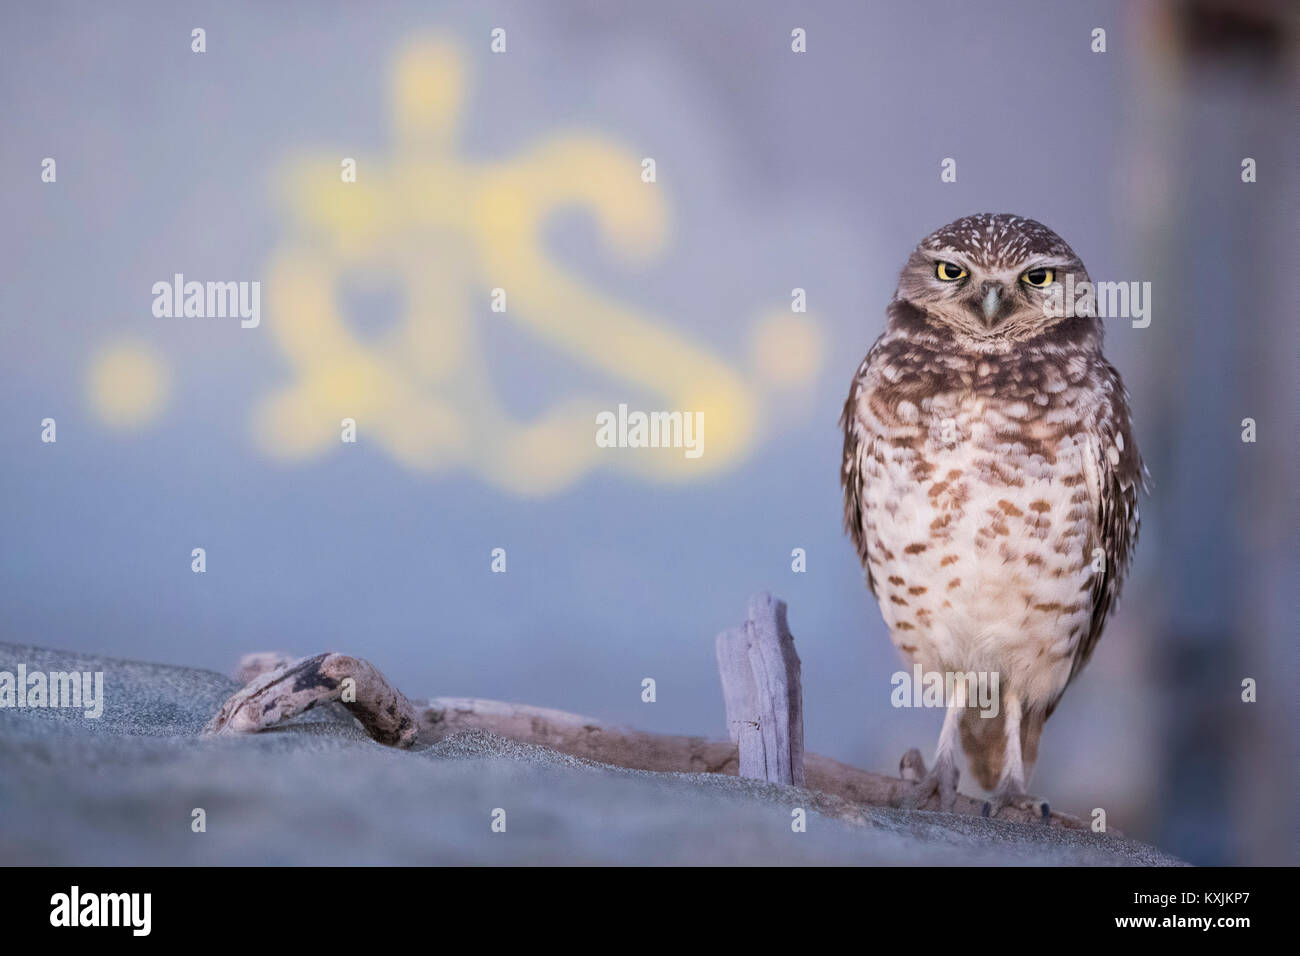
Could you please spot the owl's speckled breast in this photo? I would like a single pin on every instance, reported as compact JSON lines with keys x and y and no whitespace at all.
{"x":981,"y":564}
{"x":974,"y":490}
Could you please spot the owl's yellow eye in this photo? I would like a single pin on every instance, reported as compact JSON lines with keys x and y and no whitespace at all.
{"x":949,"y":272}
{"x":1038,"y":278}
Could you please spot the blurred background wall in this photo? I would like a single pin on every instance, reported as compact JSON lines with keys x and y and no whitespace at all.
{"x":523,"y":170}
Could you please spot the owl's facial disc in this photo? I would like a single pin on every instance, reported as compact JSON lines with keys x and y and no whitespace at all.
{"x":989,"y":279}
{"x":993,"y":303}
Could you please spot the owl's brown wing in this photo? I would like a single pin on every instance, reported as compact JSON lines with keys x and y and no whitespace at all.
{"x":1115,"y":474}
{"x":858,"y":447}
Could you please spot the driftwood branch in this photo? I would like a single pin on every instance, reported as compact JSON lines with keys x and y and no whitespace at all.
{"x":760,"y":676}
{"x":836,"y":786}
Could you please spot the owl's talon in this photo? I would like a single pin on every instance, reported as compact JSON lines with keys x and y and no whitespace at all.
{"x":1020,"y":800}
{"x":912,"y":766}
{"x":942,"y":780}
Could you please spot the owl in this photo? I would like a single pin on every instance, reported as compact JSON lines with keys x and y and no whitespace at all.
{"x":990,"y":484}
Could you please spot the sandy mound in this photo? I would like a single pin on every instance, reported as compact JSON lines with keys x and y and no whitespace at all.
{"x":121,"y":789}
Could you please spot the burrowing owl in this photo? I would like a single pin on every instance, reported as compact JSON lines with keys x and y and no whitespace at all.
{"x":990,"y":485}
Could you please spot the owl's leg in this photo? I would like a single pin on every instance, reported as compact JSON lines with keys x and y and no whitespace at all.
{"x":942,"y":778}
{"x":1010,"y":791}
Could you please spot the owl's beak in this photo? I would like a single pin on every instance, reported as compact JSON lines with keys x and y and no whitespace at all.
{"x":991,"y":302}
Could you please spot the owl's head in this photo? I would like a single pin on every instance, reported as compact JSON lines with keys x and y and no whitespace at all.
{"x":987,"y":278}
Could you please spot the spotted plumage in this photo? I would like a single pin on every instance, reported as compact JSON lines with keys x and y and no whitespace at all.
{"x":990,"y":484}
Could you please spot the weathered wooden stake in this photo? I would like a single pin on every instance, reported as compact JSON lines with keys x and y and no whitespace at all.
{"x":761,"y":688}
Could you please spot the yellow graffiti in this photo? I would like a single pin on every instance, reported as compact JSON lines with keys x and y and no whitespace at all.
{"x":127,"y":384}
{"x":448,"y":230}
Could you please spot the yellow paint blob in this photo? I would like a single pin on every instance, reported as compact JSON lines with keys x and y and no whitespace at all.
{"x":451,"y":230}
{"x":128,"y":385}
{"x":787,"y":349}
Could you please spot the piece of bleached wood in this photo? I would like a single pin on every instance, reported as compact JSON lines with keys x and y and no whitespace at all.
{"x":761,"y":689}
{"x":291,"y":688}
{"x":740,"y":697}
{"x":253,"y":666}
{"x":577,"y":736}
